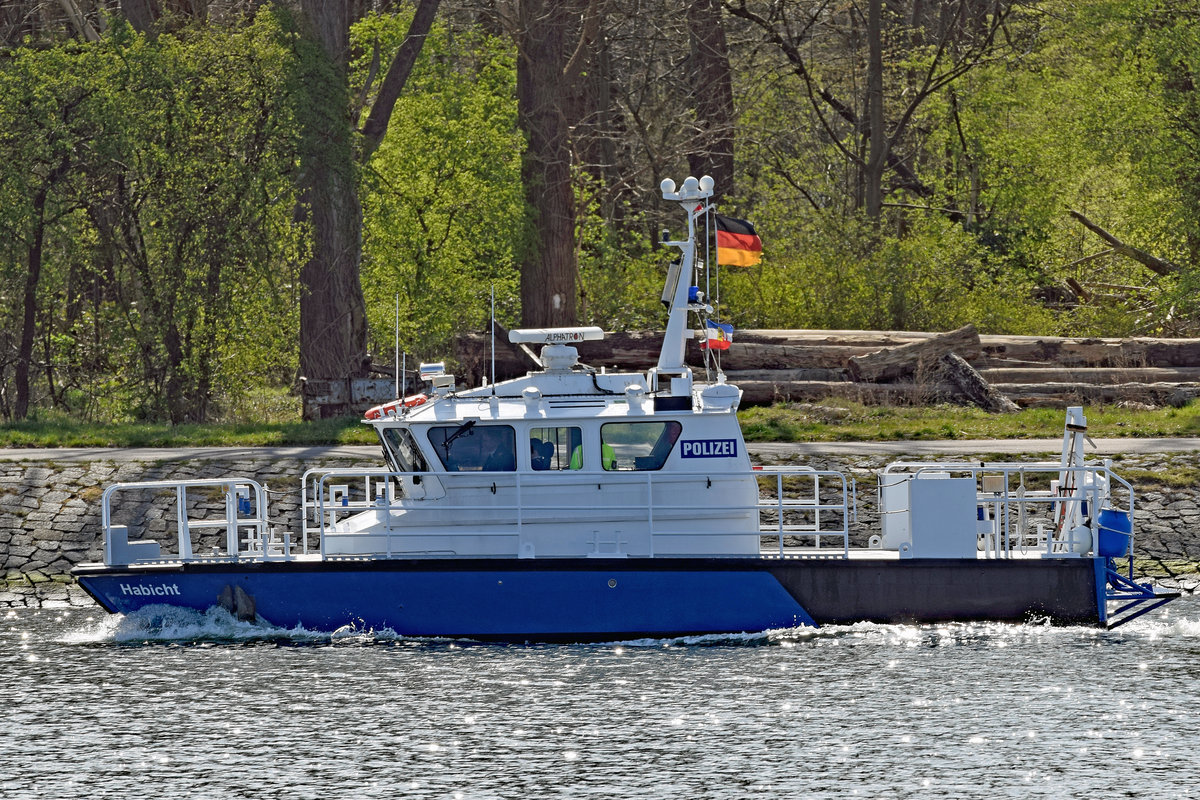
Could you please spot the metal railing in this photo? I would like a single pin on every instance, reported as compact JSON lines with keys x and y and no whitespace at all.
{"x":1024,"y":508}
{"x":790,"y":519}
{"x":805,"y":515}
{"x":242,"y":511}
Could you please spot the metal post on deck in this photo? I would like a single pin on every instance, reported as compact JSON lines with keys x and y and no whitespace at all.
{"x":649,"y":513}
{"x":779,"y":502}
{"x":231,"y":518}
{"x":185,"y":529}
{"x":817,"y":510}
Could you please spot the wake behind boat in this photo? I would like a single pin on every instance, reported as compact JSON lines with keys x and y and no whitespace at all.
{"x":574,"y":504}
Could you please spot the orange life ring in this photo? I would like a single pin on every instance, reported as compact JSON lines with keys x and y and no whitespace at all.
{"x":390,"y":409}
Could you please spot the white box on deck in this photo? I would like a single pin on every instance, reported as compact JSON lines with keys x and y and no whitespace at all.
{"x":893,"y":508}
{"x":942,"y":519}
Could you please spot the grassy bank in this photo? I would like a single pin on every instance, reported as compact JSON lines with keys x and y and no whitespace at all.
{"x":835,"y":421}
{"x":844,"y":421}
{"x":73,"y":433}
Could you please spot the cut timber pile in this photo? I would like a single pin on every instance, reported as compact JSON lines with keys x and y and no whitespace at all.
{"x":901,"y":367}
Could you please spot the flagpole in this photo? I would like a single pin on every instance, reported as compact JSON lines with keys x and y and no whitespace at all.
{"x":707,"y":279}
{"x":717,"y":297}
{"x":707,"y":242}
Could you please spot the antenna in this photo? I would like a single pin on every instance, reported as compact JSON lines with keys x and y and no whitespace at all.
{"x":398,"y":395}
{"x":493,"y":331}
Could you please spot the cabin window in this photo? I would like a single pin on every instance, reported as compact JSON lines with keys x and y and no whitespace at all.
{"x":637,"y":445}
{"x":475,"y":448}
{"x":401,"y":450}
{"x":555,"y":448}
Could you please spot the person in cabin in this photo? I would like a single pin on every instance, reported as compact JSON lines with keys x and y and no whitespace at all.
{"x":608,"y":458}
{"x":503,"y":458}
{"x":541,"y":454}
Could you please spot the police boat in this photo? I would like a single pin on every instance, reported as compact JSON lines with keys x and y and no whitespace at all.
{"x":580,"y":505}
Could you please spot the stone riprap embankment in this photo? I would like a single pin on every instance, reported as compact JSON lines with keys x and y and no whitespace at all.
{"x":50,"y":516}
{"x":50,"y":513}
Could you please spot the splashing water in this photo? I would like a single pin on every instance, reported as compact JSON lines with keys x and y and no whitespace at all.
{"x":201,"y":704}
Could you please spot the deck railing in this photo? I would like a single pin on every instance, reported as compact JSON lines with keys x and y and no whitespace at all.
{"x":241,"y":511}
{"x":789,"y":512}
{"x":1025,"y":508}
{"x":796,"y":509}
{"x":801,"y":510}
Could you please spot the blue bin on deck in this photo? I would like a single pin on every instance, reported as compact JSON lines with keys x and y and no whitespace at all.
{"x":1116,"y":531}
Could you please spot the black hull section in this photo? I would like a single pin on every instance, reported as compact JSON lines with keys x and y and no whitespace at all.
{"x":1064,"y":591}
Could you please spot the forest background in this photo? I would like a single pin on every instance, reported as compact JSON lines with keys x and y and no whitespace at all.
{"x":203,"y":202}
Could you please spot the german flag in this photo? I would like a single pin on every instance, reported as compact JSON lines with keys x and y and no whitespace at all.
{"x":737,"y":243}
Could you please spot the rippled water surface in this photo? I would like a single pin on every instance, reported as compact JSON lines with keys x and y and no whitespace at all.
{"x":183,"y":705}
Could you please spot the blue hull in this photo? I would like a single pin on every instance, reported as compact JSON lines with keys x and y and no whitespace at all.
{"x":497,"y":603}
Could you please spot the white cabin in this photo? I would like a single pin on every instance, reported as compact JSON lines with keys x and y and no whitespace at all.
{"x":581,"y":462}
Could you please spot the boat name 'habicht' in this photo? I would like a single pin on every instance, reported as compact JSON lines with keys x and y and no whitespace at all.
{"x":161,"y":589}
{"x":708,"y":448}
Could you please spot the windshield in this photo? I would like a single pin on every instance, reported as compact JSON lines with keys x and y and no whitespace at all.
{"x":400,"y":450}
{"x":475,"y":448}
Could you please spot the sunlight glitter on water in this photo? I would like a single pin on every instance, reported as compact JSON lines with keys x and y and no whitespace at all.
{"x":945,"y":711}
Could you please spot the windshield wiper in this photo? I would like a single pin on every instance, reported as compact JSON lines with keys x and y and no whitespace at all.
{"x":462,"y":429}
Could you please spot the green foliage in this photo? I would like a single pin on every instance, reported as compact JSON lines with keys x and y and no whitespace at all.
{"x":621,"y":276}
{"x":170,"y":273}
{"x":217,"y":257}
{"x":54,"y":429}
{"x":149,"y":200}
{"x":442,"y":201}
{"x":1080,"y":123}
{"x":1096,"y":110}
{"x":846,"y":275}
{"x":832,"y":420}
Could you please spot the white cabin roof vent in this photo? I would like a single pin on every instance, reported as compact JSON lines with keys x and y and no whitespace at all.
{"x":533,"y":399}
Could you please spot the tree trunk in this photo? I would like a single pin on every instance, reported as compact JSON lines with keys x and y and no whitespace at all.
{"x":908,"y":359}
{"x":33,"y":276}
{"x":333,"y":325}
{"x":712,"y":95}
{"x":549,"y":270}
{"x":877,"y":146}
{"x":952,"y":368}
{"x":1153,"y":263}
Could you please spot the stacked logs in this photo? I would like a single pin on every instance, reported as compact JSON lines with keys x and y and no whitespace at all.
{"x":892,"y":367}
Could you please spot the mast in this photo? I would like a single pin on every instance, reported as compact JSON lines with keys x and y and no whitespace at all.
{"x":693,"y":197}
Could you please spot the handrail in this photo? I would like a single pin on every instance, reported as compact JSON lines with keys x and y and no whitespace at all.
{"x":232,"y":521}
{"x":510,"y":517}
{"x":1093,"y":493}
{"x":791,"y":510}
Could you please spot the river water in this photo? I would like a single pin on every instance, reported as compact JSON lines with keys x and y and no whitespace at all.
{"x":176,"y":704}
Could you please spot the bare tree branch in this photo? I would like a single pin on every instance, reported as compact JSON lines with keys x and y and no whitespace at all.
{"x":372,"y":71}
{"x":591,"y":26}
{"x":1150,"y":262}
{"x":393,"y":83}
